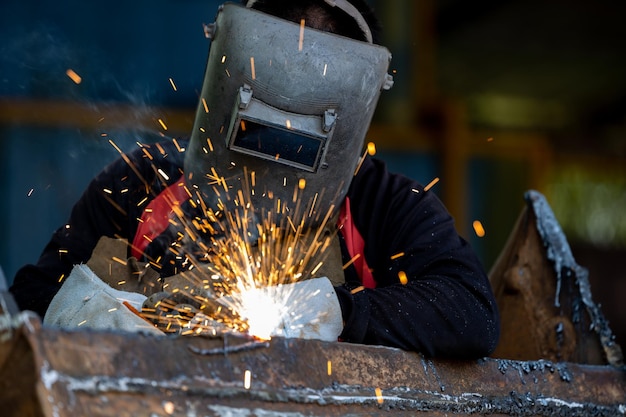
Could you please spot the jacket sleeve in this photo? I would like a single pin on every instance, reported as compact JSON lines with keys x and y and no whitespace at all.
{"x":445,"y":307}
{"x":109,"y":206}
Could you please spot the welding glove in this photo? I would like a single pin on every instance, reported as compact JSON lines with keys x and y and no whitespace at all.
{"x":85,"y":300}
{"x":306,"y":310}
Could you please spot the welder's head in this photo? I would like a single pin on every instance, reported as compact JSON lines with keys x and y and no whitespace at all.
{"x":289,"y":92}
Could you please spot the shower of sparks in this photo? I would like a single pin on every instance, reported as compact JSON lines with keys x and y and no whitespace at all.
{"x":73,"y":76}
{"x":238,"y":260}
{"x":301,"y":39}
{"x":431,"y":184}
{"x":173,"y":85}
{"x":478,"y":228}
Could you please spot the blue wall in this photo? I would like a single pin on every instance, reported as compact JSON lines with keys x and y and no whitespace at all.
{"x":125,"y":53}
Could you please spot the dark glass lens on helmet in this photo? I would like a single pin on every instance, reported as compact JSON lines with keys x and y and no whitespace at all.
{"x":290,"y":147}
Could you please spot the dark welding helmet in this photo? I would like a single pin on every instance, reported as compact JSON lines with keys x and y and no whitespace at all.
{"x":284,"y":110}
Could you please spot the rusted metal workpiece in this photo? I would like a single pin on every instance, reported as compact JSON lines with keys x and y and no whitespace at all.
{"x":544,"y":296}
{"x":55,"y":372}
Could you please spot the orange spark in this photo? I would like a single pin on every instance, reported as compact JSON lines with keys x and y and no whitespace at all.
{"x":351,"y":261}
{"x":301,"y":40}
{"x":73,"y":76}
{"x":478,"y":228}
{"x":173,"y":85}
{"x":252,"y":69}
{"x":206,"y":107}
{"x":397,"y":255}
{"x":118,"y":260}
{"x":162,"y":124}
{"x":357,"y":289}
{"x":371,"y":149}
{"x":160,"y":148}
{"x":329,"y":367}
{"x":361,"y":160}
{"x":379,"y":395}
{"x":148,"y":155}
{"x":431,"y":184}
{"x":403,"y":278}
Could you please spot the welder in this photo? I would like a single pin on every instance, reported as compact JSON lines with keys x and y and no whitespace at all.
{"x":289,"y":92}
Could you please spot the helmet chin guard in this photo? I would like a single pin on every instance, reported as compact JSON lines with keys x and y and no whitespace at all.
{"x":282,"y":117}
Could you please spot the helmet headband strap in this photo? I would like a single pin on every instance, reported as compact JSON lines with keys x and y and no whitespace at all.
{"x":347,"y":8}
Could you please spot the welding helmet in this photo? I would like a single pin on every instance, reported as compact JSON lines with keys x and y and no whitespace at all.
{"x":283,"y":109}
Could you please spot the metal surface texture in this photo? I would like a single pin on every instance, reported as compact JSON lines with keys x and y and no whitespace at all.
{"x":53,"y":372}
{"x":544,"y":296}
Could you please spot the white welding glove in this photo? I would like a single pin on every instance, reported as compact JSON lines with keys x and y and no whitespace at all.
{"x":85,"y":300}
{"x":306,"y":310}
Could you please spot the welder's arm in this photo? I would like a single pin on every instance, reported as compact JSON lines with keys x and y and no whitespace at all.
{"x":445,"y":308}
{"x":432,"y":293}
{"x":86,"y":301}
{"x":440,"y":314}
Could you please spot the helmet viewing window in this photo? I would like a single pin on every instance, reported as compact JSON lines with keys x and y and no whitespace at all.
{"x":292,"y":139}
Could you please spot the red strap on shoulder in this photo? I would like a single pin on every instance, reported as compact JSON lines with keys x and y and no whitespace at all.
{"x":356,"y":245}
{"x":156,"y":215}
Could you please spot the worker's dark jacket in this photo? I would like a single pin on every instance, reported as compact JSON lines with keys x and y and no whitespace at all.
{"x":446,"y":309}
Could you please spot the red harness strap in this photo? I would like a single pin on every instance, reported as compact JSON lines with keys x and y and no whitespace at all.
{"x":156,"y":215}
{"x":355,"y":244}
{"x":155,"y":219}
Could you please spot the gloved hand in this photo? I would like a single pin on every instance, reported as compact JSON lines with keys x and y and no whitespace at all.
{"x":307,"y":310}
{"x":85,"y":300}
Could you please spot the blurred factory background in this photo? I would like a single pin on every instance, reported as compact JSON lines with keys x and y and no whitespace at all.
{"x":491,"y":97}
